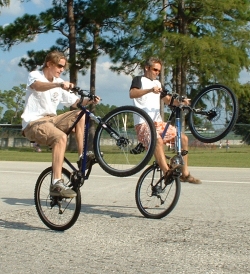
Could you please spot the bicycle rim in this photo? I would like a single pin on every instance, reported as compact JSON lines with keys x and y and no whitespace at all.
{"x":125,"y":155}
{"x":57,"y":213}
{"x":220,"y":101}
{"x":154,"y":199}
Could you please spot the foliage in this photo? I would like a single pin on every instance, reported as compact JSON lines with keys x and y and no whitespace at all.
{"x":200,"y":42}
{"x":243,"y":121}
{"x":14,"y":101}
{"x":88,"y":17}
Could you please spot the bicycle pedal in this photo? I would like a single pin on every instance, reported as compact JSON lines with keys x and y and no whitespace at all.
{"x":138,"y":149}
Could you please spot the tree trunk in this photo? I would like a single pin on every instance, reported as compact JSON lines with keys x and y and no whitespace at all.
{"x":72,"y":42}
{"x":72,"y":59}
{"x":93,"y":82}
{"x":181,"y":78}
{"x":162,"y":75}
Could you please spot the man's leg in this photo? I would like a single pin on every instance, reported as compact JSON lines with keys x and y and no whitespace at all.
{"x":79,"y":134}
{"x":58,"y":152}
{"x":58,"y":188}
{"x":160,"y":155}
{"x":186,"y":176}
{"x":184,"y":144}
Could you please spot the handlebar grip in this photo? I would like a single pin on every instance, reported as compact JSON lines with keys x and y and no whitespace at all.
{"x":80,"y":92}
{"x":164,"y":93}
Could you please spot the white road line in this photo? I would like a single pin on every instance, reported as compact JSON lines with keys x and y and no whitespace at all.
{"x":132,"y":178}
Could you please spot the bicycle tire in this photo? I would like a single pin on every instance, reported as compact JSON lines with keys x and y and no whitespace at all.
{"x":223,"y":104}
{"x":52,"y":216}
{"x":120,"y":160}
{"x":153,"y":199}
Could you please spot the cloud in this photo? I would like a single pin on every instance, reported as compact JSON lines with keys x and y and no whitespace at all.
{"x":18,"y":8}
{"x":111,"y":87}
{"x":15,"y":8}
{"x":38,"y":2}
{"x":12,"y":74}
{"x":42,"y":3}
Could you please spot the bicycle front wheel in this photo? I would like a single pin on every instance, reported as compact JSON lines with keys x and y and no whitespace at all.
{"x":217,"y":113}
{"x":57,"y":213}
{"x":153,"y":197}
{"x":116,"y":145}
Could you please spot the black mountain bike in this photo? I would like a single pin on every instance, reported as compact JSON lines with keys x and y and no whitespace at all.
{"x":211,"y":116}
{"x":116,"y":150}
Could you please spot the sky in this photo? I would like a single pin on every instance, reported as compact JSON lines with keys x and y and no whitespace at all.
{"x":112,"y":88}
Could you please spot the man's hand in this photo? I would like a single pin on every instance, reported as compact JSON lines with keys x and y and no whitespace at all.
{"x":156,"y":90}
{"x":95,"y":101}
{"x":186,"y":101}
{"x":67,"y":85}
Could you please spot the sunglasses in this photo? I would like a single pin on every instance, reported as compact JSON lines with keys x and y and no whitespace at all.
{"x":60,"y":66}
{"x":155,"y":69}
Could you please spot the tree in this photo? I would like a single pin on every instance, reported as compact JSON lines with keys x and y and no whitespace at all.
{"x":204,"y":42}
{"x":79,"y":22}
{"x":14,"y":101}
{"x":4,"y":3}
{"x":242,"y":128}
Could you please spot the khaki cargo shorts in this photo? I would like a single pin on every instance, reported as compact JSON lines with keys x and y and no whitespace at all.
{"x":143,"y":134}
{"x":49,"y":129}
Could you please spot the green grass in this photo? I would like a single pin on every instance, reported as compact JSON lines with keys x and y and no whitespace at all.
{"x":238,"y":156}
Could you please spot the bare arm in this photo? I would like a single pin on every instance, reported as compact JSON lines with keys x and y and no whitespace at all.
{"x":44,"y":86}
{"x":87,"y":102}
{"x":137,"y":93}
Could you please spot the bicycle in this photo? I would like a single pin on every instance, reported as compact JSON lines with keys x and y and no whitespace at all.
{"x":211,"y":116}
{"x":116,"y":150}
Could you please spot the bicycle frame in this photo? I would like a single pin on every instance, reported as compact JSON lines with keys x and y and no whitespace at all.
{"x":176,"y":113}
{"x":83,"y":111}
{"x":83,"y":175}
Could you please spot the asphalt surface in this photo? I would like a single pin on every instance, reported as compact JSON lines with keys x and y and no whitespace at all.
{"x":207,"y":232}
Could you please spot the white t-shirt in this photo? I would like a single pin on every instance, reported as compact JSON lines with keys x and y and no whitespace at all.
{"x":39,"y":104}
{"x":149,"y":102}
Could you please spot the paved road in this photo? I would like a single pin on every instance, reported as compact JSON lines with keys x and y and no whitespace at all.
{"x":208,"y":231}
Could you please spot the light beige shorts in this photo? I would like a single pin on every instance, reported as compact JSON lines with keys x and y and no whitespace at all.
{"x":49,"y":129}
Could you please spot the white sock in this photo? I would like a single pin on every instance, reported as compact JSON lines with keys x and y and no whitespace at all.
{"x":55,"y":180}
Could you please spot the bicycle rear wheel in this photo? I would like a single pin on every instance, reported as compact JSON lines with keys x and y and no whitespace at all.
{"x":57,"y":213}
{"x":116,"y":146}
{"x":218,"y":113}
{"x":153,"y":198}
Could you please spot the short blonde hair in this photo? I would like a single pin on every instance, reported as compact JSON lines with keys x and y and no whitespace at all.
{"x":55,"y":57}
{"x":149,"y":62}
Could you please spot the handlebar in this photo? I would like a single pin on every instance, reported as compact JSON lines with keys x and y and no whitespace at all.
{"x":82,"y":93}
{"x":210,"y":114}
{"x":174,"y":96}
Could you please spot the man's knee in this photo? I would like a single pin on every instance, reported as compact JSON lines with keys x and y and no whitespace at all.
{"x":184,"y":138}
{"x":159,"y":143}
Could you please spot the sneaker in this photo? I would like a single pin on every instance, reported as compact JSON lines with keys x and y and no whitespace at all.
{"x":190,"y":179}
{"x":90,"y":157}
{"x":60,"y":189}
{"x":168,"y":178}
{"x":138,"y":149}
